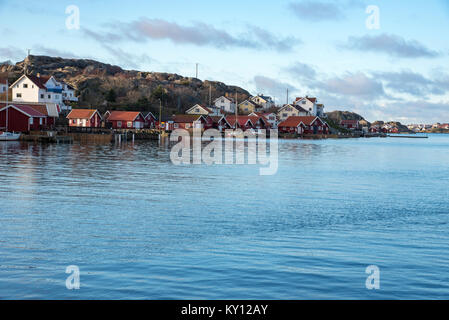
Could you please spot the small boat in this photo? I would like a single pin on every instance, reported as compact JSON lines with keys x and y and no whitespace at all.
{"x":9,"y":136}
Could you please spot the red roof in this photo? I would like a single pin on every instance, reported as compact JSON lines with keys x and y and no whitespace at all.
{"x":81,"y":113}
{"x":242,"y":120}
{"x":313,"y":100}
{"x":123,"y":116}
{"x":295,"y":121}
{"x":25,"y":108}
{"x":39,"y":81}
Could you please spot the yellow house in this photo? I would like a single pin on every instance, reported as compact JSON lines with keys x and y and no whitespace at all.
{"x":247,"y":107}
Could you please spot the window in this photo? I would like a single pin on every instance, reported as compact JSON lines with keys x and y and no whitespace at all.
{"x":177,"y":126}
{"x":42,"y":96}
{"x":31,"y":120}
{"x":74,"y":121}
{"x":19,"y":95}
{"x":197,"y":110}
{"x":40,"y":121}
{"x":285,"y":115}
{"x":303,"y":102}
{"x":187,"y":125}
{"x":119,"y":124}
{"x":49,"y":96}
{"x":25,"y":86}
{"x":130,"y":124}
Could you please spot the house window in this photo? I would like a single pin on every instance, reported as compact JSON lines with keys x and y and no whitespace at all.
{"x":49,"y":96}
{"x":19,"y":95}
{"x":42,"y":96}
{"x":197,"y":110}
{"x":130,"y":124}
{"x":285,"y":115}
{"x":74,"y":121}
{"x":31,"y":120}
{"x":40,"y":121}
{"x":176,"y":126}
{"x":303,"y":102}
{"x":25,"y":86}
{"x":119,"y":124}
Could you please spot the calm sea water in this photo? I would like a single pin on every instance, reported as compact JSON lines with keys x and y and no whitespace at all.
{"x":140,"y":227}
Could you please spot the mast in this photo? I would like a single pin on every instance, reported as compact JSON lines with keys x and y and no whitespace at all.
{"x":7,"y":97}
{"x":236,"y":110}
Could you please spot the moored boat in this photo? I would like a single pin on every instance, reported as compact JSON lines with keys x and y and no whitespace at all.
{"x":9,"y":136}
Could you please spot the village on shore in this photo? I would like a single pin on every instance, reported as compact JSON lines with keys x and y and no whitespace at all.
{"x":42,"y":103}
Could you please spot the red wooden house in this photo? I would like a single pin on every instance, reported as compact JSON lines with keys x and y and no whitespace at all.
{"x":126,"y":120}
{"x":87,"y":118}
{"x":350,"y":124}
{"x":151,"y":121}
{"x":21,"y":118}
{"x":220,"y":123}
{"x":241,"y":122}
{"x":190,"y":121}
{"x":304,"y":125}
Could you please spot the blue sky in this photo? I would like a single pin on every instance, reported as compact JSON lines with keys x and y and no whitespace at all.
{"x":320,"y":48}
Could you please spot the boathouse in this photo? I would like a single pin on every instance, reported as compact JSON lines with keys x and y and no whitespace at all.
{"x":21,"y":118}
{"x":86,"y":118}
{"x":126,"y":120}
{"x":304,"y":125}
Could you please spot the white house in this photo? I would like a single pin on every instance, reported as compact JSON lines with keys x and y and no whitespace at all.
{"x":68,"y":92}
{"x":39,"y":89}
{"x":225,"y":104}
{"x":310,"y":105}
{"x":265,"y":101}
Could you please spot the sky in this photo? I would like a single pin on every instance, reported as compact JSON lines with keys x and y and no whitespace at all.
{"x":384,"y":59}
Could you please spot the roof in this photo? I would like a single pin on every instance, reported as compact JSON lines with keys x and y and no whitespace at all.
{"x":81,"y":113}
{"x":296,"y":121}
{"x":123,"y":116}
{"x":150,"y":115}
{"x":242,"y":120}
{"x":186,"y":118}
{"x":313,"y":100}
{"x":200,"y":106}
{"x":228,"y":98}
{"x":26,"y":109}
{"x":39,"y":81}
{"x":299,"y":108}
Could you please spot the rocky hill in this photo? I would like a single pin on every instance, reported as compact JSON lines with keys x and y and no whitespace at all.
{"x":337,"y":116}
{"x":105,"y":86}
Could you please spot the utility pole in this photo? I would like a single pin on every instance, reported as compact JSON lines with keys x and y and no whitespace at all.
{"x":210,"y":95}
{"x":160,"y":112}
